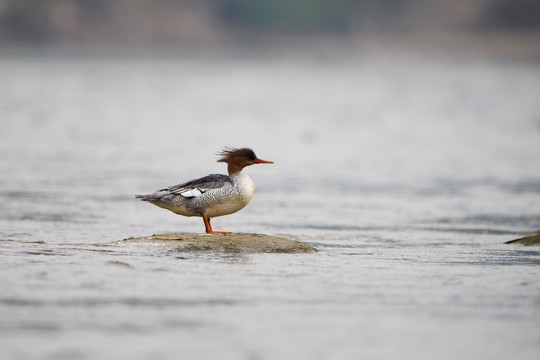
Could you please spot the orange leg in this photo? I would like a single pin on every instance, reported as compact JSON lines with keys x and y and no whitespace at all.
{"x":208,"y":227}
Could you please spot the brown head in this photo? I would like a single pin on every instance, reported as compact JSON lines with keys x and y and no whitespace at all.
{"x":237,"y":159}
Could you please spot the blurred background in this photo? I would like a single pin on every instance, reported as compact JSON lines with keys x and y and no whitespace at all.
{"x":501,"y":26}
{"x":384,"y":82}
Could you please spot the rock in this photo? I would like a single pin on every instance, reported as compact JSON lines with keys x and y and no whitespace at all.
{"x":531,"y":240}
{"x":120,"y":263}
{"x":227,"y":243}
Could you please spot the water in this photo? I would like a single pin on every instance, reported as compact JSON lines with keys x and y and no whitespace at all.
{"x":407,"y":172}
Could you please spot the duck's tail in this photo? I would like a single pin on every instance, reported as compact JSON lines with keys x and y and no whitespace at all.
{"x":145,"y":197}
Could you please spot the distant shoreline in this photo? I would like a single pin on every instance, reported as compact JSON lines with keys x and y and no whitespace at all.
{"x":501,"y":45}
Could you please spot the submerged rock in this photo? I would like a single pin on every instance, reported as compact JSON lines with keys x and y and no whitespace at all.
{"x":530,"y":240}
{"x":228,"y":243}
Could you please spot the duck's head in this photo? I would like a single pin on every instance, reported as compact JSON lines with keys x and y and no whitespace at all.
{"x":237,"y":159}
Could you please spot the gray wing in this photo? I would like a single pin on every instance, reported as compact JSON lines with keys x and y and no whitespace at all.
{"x":197,"y":187}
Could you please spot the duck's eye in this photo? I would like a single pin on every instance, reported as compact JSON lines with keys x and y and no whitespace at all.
{"x":252,"y":157}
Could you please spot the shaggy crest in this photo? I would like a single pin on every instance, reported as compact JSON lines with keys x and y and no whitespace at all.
{"x":229,"y":153}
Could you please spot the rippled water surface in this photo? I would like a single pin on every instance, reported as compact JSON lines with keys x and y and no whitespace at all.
{"x":408,"y":173}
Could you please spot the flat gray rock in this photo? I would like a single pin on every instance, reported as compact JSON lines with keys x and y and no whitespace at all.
{"x":532,"y":239}
{"x":226,"y":243}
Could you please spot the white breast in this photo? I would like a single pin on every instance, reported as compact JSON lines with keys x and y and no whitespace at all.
{"x":235,"y":198}
{"x":244,"y":184}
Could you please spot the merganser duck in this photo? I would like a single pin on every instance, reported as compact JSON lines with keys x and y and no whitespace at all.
{"x":213,"y":195}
